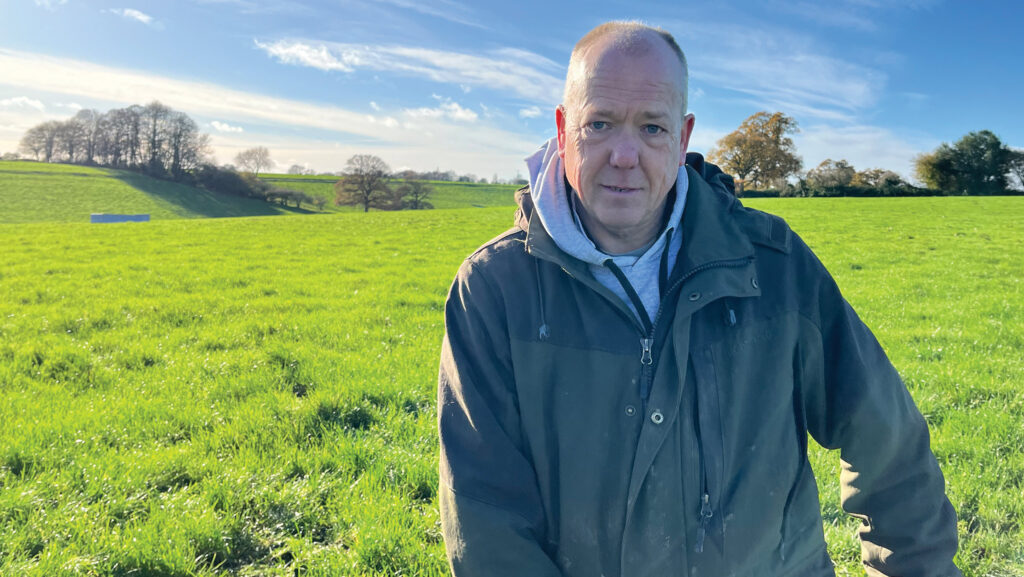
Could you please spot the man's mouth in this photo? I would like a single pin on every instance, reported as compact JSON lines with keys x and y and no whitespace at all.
{"x":620,"y":189}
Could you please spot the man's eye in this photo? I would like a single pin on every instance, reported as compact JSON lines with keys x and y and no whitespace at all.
{"x":599,"y":125}
{"x":653,"y":129}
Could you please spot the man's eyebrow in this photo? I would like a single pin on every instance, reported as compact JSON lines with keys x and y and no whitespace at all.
{"x":655,"y":115}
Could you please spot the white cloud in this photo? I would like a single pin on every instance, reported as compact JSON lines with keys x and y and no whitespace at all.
{"x":225,"y":127}
{"x":531,"y":112}
{"x":523,"y":73}
{"x":431,"y":141}
{"x":50,"y":4}
{"x":22,"y":102}
{"x":780,"y":69}
{"x":832,"y":14}
{"x":447,"y":109}
{"x":133,"y":14}
{"x":862,"y":146}
{"x":444,"y":9}
{"x":387,"y":121}
{"x":375,"y":106}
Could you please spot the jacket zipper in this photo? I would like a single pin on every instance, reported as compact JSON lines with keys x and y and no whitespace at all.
{"x":706,"y":511}
{"x":647,"y":341}
{"x":647,"y":369}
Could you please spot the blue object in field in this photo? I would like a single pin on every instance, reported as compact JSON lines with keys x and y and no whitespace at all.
{"x":100,"y":217}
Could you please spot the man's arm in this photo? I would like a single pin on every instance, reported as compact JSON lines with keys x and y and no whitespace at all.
{"x":491,"y":512}
{"x":856,"y":401}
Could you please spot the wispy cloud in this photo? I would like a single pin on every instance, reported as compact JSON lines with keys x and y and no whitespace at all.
{"x":50,"y":4}
{"x":386,"y":121}
{"x":447,"y":109}
{"x":863,"y":146}
{"x":531,"y":112}
{"x":375,"y":106}
{"x":850,"y":15}
{"x":780,"y":69}
{"x":133,"y":14}
{"x":22,"y":102}
{"x":225,"y":127}
{"x":290,"y":7}
{"x":523,"y":73}
{"x":432,"y":140}
{"x":444,"y":9}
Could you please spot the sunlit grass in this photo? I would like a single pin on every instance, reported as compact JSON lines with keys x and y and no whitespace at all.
{"x":255,"y":395}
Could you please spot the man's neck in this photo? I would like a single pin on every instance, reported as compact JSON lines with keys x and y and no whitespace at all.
{"x":621,"y":246}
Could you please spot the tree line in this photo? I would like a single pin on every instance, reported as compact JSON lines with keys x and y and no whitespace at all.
{"x":762,"y":157}
{"x":153,"y":138}
{"x":164,"y":143}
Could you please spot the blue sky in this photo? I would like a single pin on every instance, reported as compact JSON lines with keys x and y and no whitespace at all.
{"x":472,"y":86}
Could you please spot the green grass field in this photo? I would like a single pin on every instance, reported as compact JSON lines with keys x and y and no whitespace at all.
{"x":40,"y":192}
{"x":444,"y":195}
{"x":255,"y":396}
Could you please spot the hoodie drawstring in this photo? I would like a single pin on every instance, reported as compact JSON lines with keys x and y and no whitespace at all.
{"x":543,"y":332}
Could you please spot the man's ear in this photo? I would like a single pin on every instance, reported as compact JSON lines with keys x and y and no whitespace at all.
{"x":684,"y":137}
{"x":560,"y":123}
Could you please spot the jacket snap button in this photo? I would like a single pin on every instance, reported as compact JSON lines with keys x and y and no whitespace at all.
{"x":694,"y":296}
{"x":657,"y":418}
{"x":630,"y":410}
{"x":753,"y":282}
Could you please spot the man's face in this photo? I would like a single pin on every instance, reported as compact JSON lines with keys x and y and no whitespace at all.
{"x":623,"y":137}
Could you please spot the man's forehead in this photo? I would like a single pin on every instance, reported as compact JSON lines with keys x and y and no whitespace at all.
{"x":613,"y":50}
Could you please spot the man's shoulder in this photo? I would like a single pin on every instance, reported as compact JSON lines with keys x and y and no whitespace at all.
{"x":510,"y":244}
{"x":764,"y":229}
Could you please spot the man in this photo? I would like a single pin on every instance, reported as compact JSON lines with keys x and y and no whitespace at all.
{"x":629,"y":375}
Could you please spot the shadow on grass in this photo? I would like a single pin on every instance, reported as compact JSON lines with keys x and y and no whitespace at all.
{"x":193,"y":201}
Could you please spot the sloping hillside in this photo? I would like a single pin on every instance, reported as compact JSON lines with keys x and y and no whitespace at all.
{"x":41,"y":192}
{"x":444,"y":195}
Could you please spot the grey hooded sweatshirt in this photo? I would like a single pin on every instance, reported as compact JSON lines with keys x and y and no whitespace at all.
{"x":556,"y":210}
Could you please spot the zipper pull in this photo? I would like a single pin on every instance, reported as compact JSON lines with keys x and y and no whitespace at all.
{"x":705,"y":519}
{"x":645,"y":356}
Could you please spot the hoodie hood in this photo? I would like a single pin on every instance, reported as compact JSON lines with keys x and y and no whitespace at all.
{"x":554,"y":208}
{"x":556,"y":213}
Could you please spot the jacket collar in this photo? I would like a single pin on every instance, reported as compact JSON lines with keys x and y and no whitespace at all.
{"x":710,"y":233}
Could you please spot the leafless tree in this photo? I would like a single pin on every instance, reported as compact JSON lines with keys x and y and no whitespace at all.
{"x":414,"y":195}
{"x":41,"y":140}
{"x":89,"y":120}
{"x":364,"y":183}
{"x":254,"y":160}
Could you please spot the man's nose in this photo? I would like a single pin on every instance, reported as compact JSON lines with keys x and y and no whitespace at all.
{"x":625,"y":152}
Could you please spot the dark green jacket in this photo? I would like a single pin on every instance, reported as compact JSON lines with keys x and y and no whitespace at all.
{"x":567,"y":451}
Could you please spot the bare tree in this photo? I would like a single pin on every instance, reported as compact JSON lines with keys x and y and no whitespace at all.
{"x":364,"y":183}
{"x":831,"y":174}
{"x":188,"y":148}
{"x":41,"y":140}
{"x":254,"y":160}
{"x":1017,"y":167}
{"x":414,"y":195}
{"x":70,"y":139}
{"x":89,"y":120}
{"x":155,"y":118}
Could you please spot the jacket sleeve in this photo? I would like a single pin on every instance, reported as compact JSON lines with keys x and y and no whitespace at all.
{"x":856,"y":401}
{"x":491,"y":512}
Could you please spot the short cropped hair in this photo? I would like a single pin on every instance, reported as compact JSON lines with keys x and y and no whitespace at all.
{"x":633,"y":37}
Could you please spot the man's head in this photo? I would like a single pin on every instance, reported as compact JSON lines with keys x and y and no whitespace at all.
{"x":623,"y":130}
